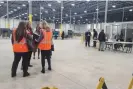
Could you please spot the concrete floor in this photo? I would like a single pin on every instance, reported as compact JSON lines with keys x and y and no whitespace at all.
{"x":74,"y":67}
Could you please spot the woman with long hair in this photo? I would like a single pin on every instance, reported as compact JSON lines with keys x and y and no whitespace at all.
{"x":20,"y":49}
{"x":30,"y":41}
{"x":45,"y":45}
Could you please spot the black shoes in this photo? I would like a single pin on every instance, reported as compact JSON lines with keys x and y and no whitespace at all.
{"x":30,"y":65}
{"x":26,"y":74}
{"x":13,"y":75}
{"x":43,"y":71}
{"x":49,"y":68}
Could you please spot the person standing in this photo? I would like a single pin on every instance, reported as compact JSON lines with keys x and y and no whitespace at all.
{"x":102,"y":39}
{"x":36,"y":38}
{"x":87,"y":38}
{"x":20,"y":49}
{"x":29,"y":42}
{"x":45,"y":45}
{"x":94,"y":37}
{"x":62,"y":35}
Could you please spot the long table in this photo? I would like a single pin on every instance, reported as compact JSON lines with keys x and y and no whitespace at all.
{"x":112,"y":43}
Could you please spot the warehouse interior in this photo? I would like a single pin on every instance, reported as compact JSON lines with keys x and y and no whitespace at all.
{"x":74,"y":65}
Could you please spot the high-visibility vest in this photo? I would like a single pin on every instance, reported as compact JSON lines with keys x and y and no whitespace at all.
{"x":19,"y":46}
{"x":46,"y":42}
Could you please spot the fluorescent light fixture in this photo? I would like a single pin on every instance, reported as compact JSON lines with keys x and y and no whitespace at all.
{"x":49,"y":5}
{"x":86,"y":19}
{"x":114,"y":6}
{"x":58,"y":1}
{"x":1,"y":2}
{"x":75,"y":13}
{"x":0,"y":5}
{"x":87,"y":0}
{"x":83,"y":22}
{"x":81,"y":17}
{"x":53,"y":9}
{"x":62,"y":7}
{"x":41,"y":13}
{"x":15,"y":9}
{"x":16,"y":16}
{"x":57,"y":20}
{"x":130,"y":10}
{"x":11,"y":11}
{"x":22,"y":14}
{"x":72,"y":4}
{"x":23,"y":5}
{"x":18,"y":7}
{"x":42,"y":8}
{"x":46,"y":11}
{"x":73,"y":17}
{"x":78,"y":20}
{"x":25,"y":17}
{"x":66,"y":14}
{"x":97,"y":9}
{"x":35,"y":14}
{"x":85,"y":11}
{"x":25,"y":13}
{"x":53,"y":17}
{"x":49,"y":18}
{"x":19,"y":15}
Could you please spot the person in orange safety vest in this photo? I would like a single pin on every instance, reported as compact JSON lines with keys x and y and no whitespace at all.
{"x":45,"y":45}
{"x":20,"y":49}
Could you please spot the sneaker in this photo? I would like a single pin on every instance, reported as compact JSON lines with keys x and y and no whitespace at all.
{"x":49,"y":69}
{"x":13,"y":75}
{"x":33,"y":57}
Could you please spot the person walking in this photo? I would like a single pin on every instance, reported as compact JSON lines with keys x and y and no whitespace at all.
{"x":87,"y":38}
{"x":20,"y":49}
{"x":94,"y":37}
{"x":102,"y":39}
{"x":45,"y":45}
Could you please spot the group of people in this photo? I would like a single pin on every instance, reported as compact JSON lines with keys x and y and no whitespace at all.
{"x":101,"y":38}
{"x":25,"y":42}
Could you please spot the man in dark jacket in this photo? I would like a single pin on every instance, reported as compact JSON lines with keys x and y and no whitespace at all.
{"x":102,"y":40}
{"x":94,"y":37}
{"x":87,"y":38}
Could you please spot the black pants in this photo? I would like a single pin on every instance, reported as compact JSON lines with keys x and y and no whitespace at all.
{"x":87,"y":42}
{"x":29,"y":57}
{"x":94,"y":43}
{"x":38,"y":51}
{"x":46,"y":54}
{"x":17,"y":58}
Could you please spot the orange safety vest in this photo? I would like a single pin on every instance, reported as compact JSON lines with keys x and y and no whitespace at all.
{"x":46,"y":42}
{"x":19,"y":46}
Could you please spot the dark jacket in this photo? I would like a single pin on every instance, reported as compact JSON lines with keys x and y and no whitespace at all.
{"x":87,"y":35}
{"x":101,"y":37}
{"x":95,"y":35}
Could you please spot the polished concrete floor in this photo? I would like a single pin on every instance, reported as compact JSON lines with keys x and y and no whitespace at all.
{"x":74,"y":67}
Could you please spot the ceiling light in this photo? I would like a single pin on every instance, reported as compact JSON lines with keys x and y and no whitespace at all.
{"x":15,"y":9}
{"x":41,"y":7}
{"x":57,"y":20}
{"x":73,"y":17}
{"x":72,"y":4}
{"x":58,"y":1}
{"x":49,"y":5}
{"x":81,"y":17}
{"x":75,"y":13}
{"x":22,"y":14}
{"x":54,"y":17}
{"x":41,"y":13}
{"x":1,"y":2}
{"x":97,"y":9}
{"x":49,"y":18}
{"x":87,"y":0}
{"x":85,"y":11}
{"x":114,"y":6}
{"x":62,"y":7}
{"x":18,"y":7}
{"x":19,"y":15}
{"x":130,"y":10}
{"x":26,"y":13}
{"x":23,"y":5}
{"x":53,"y":9}
{"x":86,"y":19}
{"x":78,"y":20}
{"x":35,"y":14}
{"x":0,"y":5}
{"x":25,"y":17}
{"x":66,"y":14}
{"x":11,"y":11}
{"x":16,"y":16}
{"x":46,"y":11}
{"x":84,"y":22}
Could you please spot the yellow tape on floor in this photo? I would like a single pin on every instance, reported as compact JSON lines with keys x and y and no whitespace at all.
{"x":130,"y":84}
{"x":100,"y":84}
